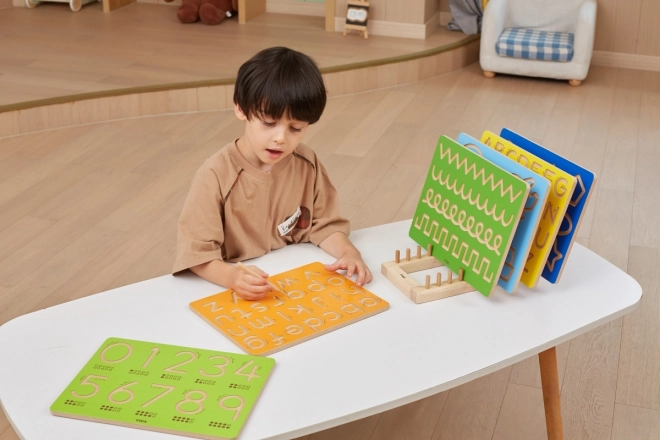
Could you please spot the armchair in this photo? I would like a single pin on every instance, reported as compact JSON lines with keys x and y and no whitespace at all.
{"x":577,"y":17}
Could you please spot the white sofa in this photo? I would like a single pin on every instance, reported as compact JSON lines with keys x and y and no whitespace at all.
{"x":574,"y":16}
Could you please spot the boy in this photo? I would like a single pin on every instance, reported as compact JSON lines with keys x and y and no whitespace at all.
{"x":266,"y":189}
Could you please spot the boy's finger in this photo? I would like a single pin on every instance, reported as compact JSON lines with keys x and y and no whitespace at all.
{"x":247,"y":295}
{"x":332,"y":267}
{"x":361,"y":276}
{"x":259,"y":291}
{"x":259,"y":271}
{"x":254,"y":280}
{"x":367,"y":274}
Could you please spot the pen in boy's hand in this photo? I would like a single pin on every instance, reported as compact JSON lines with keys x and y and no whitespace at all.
{"x":244,"y":268}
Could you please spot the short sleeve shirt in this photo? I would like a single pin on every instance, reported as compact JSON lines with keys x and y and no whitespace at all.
{"x":235,"y":212}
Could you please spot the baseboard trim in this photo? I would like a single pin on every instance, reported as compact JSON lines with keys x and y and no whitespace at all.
{"x":445,"y":18}
{"x":625,"y":60}
{"x":298,"y":8}
{"x":389,"y":28}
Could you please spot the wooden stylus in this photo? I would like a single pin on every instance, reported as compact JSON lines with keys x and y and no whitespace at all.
{"x":244,"y":268}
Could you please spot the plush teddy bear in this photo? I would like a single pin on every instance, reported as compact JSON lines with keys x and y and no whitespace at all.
{"x":208,"y":11}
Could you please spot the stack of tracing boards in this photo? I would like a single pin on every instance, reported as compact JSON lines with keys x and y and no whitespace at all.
{"x":499,"y":211}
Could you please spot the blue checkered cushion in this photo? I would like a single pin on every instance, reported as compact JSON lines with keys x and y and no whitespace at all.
{"x":535,"y":45}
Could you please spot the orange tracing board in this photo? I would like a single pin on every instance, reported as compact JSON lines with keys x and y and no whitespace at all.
{"x":314,"y":301}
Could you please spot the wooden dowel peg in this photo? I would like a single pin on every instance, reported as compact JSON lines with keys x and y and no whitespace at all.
{"x":429,"y":248}
{"x":407,"y":254}
{"x":397,"y":256}
{"x":438,"y":279}
{"x":461,"y":274}
{"x":419,"y":252}
{"x":449,"y":276}
{"x":428,"y":282}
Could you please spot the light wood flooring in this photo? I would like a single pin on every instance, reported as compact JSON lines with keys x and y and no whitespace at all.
{"x":50,"y":51}
{"x":93,"y":207}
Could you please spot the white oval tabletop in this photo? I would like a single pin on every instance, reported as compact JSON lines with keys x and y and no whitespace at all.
{"x":406,"y":353}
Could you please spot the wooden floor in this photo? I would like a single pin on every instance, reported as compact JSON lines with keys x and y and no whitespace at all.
{"x":89,"y":208}
{"x":50,"y":52}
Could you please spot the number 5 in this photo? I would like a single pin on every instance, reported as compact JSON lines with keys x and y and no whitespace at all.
{"x":86,"y":381}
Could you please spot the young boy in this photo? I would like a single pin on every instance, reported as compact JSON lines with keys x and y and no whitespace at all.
{"x":266,"y":189}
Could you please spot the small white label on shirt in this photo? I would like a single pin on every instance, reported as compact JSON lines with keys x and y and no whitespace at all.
{"x":287,"y":225}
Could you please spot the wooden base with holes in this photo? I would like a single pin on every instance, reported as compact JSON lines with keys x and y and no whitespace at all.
{"x":398,"y":272}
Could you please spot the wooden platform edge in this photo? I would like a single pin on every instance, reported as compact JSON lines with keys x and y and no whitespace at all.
{"x":212,"y":95}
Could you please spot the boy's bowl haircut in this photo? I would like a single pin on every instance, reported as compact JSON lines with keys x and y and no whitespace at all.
{"x":279,"y":81}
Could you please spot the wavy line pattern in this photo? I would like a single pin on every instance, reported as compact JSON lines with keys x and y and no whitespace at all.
{"x":460,"y":218}
{"x":462,"y":163}
{"x":474,"y":202}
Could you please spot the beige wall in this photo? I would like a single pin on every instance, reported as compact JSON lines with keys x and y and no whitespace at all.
{"x":628,"y":26}
{"x":431,"y":7}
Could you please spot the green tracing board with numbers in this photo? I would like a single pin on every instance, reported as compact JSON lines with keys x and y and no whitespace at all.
{"x":181,"y":390}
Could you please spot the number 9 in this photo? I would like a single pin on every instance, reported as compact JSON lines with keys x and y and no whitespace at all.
{"x":237,"y":409}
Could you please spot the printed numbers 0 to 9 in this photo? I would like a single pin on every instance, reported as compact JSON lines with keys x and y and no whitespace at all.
{"x":175,"y":368}
{"x":193,"y":402}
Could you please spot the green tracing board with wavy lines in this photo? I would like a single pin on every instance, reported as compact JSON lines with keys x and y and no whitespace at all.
{"x":468,"y":210}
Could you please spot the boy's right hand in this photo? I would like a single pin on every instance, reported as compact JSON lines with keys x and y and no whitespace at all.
{"x":248,"y":286}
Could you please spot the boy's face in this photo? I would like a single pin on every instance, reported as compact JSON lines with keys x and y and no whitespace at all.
{"x":269,"y":141}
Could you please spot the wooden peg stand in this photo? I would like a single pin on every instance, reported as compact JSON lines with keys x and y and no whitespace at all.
{"x":398,"y":272}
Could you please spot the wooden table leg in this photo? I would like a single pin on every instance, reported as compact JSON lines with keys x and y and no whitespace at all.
{"x":551,"y":402}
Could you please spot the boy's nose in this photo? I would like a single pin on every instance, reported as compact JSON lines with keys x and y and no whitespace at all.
{"x":279,"y":136}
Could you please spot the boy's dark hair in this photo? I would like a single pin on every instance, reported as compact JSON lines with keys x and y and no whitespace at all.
{"x":279,"y":80}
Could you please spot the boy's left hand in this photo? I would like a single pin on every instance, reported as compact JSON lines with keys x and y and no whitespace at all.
{"x":352,"y":263}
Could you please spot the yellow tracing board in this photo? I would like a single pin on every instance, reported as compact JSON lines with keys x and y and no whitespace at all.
{"x":561,"y":190}
{"x":314,"y":301}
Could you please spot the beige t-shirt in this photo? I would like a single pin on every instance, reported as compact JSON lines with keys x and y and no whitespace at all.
{"x":233,"y":210}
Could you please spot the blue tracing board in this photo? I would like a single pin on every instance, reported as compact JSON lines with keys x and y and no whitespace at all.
{"x":529,"y":221}
{"x":586,"y":181}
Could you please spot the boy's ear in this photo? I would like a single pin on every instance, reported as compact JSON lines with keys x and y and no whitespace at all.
{"x":239,"y":113}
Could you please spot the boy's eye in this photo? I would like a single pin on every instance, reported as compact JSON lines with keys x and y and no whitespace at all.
{"x":268,"y":124}
{"x":296,"y":130}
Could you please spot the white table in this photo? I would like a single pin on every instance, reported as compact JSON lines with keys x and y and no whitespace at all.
{"x":407,"y":353}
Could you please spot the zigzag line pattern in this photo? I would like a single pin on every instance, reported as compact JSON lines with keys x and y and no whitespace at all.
{"x":474,"y":202}
{"x":449,"y":241}
{"x":462,"y":163}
